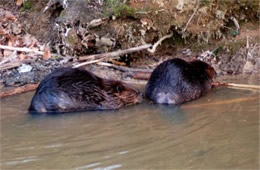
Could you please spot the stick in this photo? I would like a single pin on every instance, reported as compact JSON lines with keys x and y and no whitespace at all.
{"x":139,"y":82}
{"x":196,"y":9}
{"x":244,"y":86}
{"x":139,"y":75}
{"x":116,"y":53}
{"x":125,"y":69}
{"x":18,"y":90}
{"x":21,"y":49}
{"x":209,"y":104}
{"x":159,"y":42}
{"x":100,"y":57}
{"x":86,"y":63}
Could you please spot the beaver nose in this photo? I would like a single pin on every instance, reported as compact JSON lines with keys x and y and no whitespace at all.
{"x":140,"y":97}
{"x":141,"y":94}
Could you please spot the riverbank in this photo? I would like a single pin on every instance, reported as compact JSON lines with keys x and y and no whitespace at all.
{"x":57,"y":40}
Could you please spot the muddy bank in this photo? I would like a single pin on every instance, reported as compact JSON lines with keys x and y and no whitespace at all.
{"x":224,"y":34}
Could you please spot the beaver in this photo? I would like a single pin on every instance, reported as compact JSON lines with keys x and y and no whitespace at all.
{"x":176,"y":81}
{"x":74,"y":89}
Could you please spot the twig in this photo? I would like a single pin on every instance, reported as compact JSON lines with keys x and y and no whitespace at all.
{"x":196,"y":9}
{"x":100,"y":57}
{"x":159,"y":42}
{"x":209,"y":104}
{"x":244,"y":86}
{"x":18,"y":90}
{"x":125,"y":69}
{"x":138,"y":75}
{"x":21,"y":49}
{"x":118,"y":53}
{"x":133,"y":81}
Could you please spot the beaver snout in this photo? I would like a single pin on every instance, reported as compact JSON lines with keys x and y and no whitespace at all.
{"x":140,"y":97}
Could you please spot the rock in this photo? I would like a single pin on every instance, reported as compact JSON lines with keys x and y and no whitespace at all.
{"x":24,"y":68}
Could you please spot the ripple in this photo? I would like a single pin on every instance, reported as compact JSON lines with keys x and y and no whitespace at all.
{"x":89,"y":165}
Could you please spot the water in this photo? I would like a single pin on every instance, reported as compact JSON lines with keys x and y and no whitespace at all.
{"x":219,"y":130}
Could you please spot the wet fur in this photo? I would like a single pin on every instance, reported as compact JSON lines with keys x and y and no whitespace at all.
{"x":176,"y":81}
{"x":68,"y":89}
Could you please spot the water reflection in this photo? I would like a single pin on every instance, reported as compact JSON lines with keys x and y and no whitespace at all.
{"x":211,"y":132}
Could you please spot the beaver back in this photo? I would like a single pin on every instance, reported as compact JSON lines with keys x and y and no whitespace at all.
{"x":176,"y":81}
{"x":68,"y":89}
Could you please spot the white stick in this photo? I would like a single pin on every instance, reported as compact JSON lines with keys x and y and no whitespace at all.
{"x":21,"y":49}
{"x":122,"y":68}
{"x":100,"y":57}
{"x":244,"y":85}
{"x":159,"y":42}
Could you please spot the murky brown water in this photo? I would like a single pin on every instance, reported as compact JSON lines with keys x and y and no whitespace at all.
{"x":219,"y":130}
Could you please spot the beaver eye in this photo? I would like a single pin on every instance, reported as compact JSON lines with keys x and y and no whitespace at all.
{"x":119,"y":89}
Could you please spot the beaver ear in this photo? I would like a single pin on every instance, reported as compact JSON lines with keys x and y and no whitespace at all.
{"x":118,"y":89}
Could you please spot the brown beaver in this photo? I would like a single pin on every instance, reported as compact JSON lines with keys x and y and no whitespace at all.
{"x":72,"y":89}
{"x":176,"y":81}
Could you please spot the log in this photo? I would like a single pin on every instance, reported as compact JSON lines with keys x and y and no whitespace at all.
{"x":19,"y":90}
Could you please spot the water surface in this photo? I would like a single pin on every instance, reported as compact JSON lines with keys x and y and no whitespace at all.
{"x":219,"y":130}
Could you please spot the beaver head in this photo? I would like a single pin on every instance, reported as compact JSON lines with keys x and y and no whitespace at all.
{"x":204,"y":68}
{"x":126,"y":94}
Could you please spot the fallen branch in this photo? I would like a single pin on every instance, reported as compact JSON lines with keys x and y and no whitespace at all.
{"x":100,"y":57}
{"x":243,"y":86}
{"x":116,"y":53}
{"x":28,"y":50}
{"x":138,"y":75}
{"x":18,"y":90}
{"x":125,"y":69}
{"x":209,"y":104}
